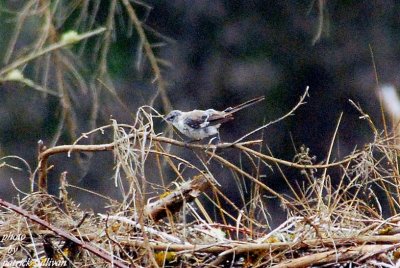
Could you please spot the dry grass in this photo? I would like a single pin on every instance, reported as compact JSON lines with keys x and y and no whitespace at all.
{"x":326,"y":222}
{"x":336,"y":215}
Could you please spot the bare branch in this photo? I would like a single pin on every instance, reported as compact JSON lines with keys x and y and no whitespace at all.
{"x":291,"y":112}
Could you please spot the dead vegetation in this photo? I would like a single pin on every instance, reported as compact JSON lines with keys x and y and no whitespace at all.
{"x":331,"y":219}
{"x":327,"y":223}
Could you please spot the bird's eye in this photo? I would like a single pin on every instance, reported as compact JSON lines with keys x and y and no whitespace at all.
{"x":170,"y":117}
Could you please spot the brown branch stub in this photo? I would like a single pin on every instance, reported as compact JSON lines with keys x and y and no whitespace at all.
{"x":42,"y":167}
{"x":174,"y":201}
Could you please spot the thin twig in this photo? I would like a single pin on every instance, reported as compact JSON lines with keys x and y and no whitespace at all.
{"x":290,"y":113}
{"x":48,"y":49}
{"x":150,"y":55}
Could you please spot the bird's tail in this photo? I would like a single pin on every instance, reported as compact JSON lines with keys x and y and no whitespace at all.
{"x":246,"y":104}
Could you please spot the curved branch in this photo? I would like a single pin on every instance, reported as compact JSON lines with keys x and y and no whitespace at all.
{"x":44,"y":153}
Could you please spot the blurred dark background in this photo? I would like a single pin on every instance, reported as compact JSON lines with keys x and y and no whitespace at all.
{"x":220,"y":53}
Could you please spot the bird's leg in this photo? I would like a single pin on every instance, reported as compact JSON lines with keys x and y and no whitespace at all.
{"x":213,"y":141}
{"x":218,"y":139}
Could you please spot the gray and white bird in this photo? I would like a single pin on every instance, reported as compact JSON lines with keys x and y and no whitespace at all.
{"x":200,"y":124}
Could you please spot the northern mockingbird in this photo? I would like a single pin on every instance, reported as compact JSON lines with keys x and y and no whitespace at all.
{"x":200,"y":124}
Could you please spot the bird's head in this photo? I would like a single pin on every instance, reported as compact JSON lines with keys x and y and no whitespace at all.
{"x":172,"y":117}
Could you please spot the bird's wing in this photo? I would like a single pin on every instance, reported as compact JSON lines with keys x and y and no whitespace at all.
{"x":217,"y":117}
{"x":198,"y":119}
